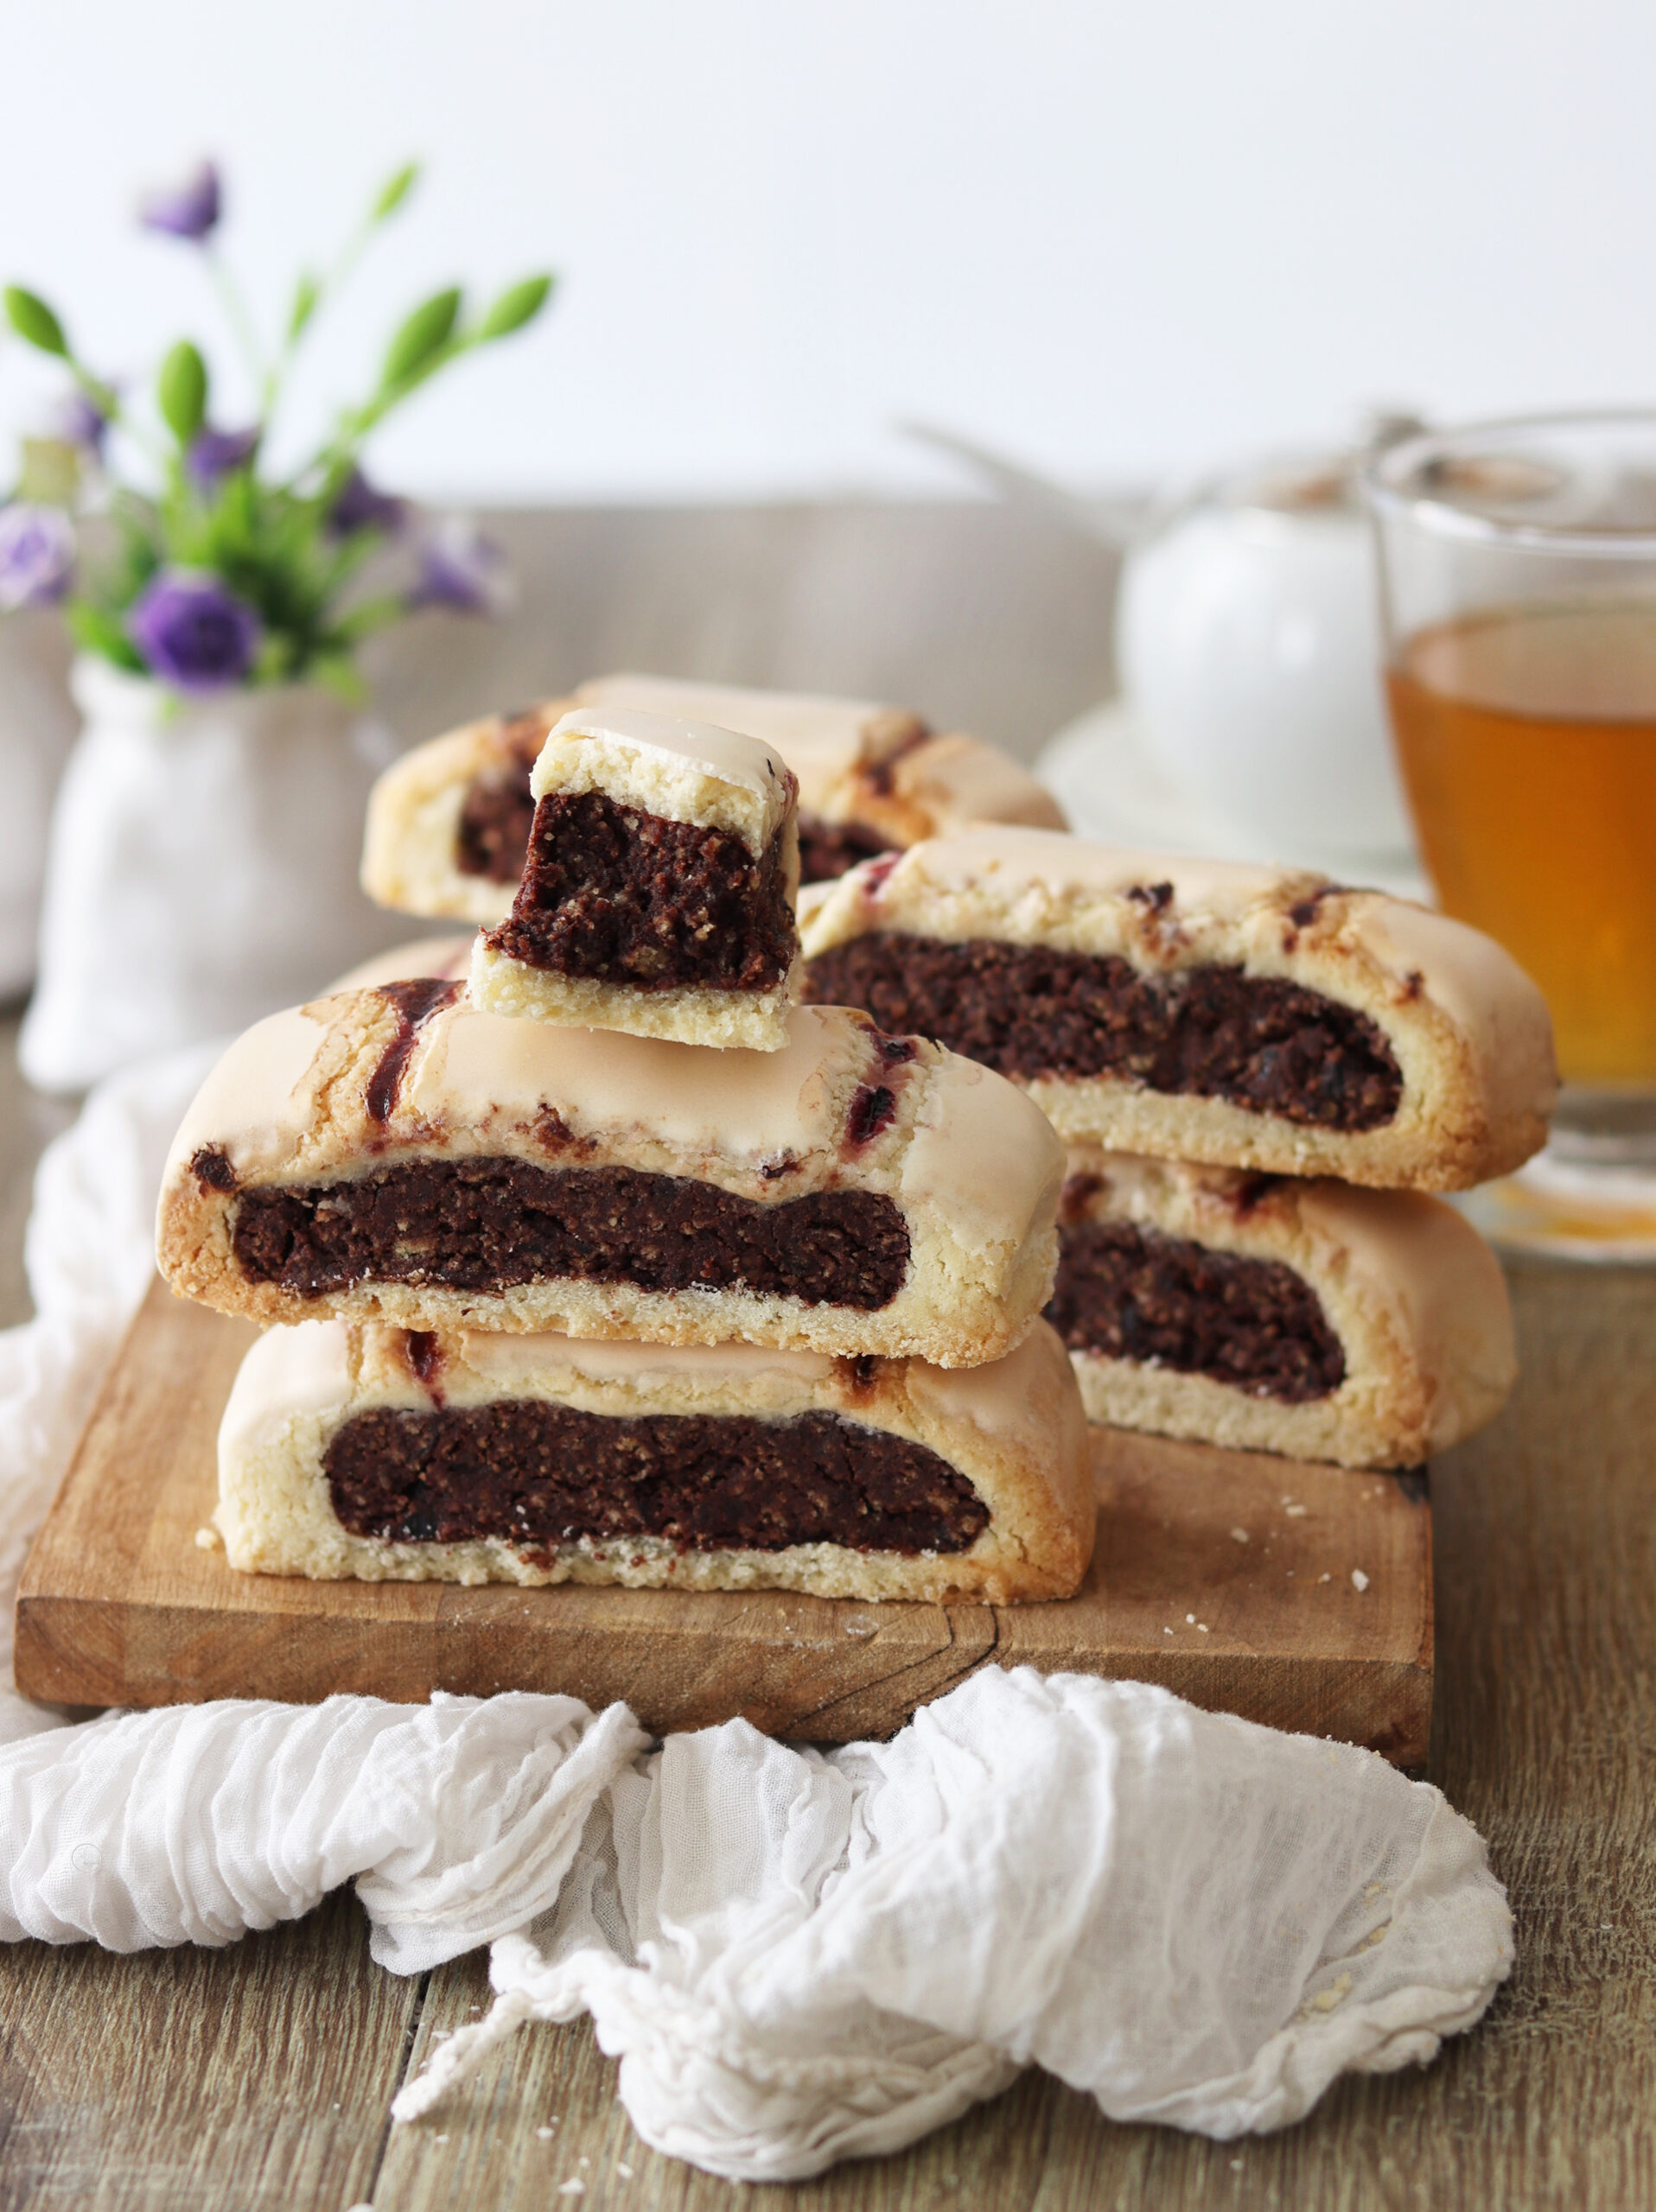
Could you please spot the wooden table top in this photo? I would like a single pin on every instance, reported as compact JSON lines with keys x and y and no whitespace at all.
{"x":260,"y":2075}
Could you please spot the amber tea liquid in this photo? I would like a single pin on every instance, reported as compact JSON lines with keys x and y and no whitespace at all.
{"x":1527,"y":738}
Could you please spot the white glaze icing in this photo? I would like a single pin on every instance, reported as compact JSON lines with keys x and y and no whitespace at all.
{"x":725,"y":756}
{"x":745,"y":1106}
{"x":820,"y":738}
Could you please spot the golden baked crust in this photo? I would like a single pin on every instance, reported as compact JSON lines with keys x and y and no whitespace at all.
{"x":1468,"y":1027}
{"x":1415,"y":1296}
{"x":974,"y":1169}
{"x":1014,"y":1429}
{"x":413,"y":821}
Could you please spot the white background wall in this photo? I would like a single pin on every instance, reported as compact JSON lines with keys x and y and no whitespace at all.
{"x":1113,"y":238}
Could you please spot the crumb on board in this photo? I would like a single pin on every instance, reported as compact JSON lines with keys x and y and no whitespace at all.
{"x":544,"y":2133}
{"x":572,"y":2187}
{"x":1201,"y":1627}
{"x":1296,"y":1512}
{"x":623,"y":2170}
{"x":207,"y":1540}
{"x":1238,"y":1535}
{"x":1358,"y":1579}
{"x":1190,"y":1620}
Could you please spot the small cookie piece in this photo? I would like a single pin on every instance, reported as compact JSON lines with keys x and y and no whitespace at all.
{"x":447,"y":824}
{"x":657,"y":894}
{"x":872,"y":778}
{"x":375,"y":1455}
{"x":1248,"y":1017}
{"x":395,"y":1155}
{"x":1276,"y":1313}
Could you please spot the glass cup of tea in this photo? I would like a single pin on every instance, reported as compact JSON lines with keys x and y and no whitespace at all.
{"x":1517,"y":575}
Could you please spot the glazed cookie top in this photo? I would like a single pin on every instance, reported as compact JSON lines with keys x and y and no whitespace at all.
{"x":820,"y":738}
{"x":693,"y":771}
{"x":335,"y":1087}
{"x":316,"y":1367}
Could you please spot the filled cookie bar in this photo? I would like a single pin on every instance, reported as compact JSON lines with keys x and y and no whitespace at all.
{"x":1275,"y":1313}
{"x":396,"y":1153}
{"x":872,"y":778}
{"x":378,"y":1455}
{"x":657,"y":892}
{"x":448,"y":823}
{"x":1193,"y":1009}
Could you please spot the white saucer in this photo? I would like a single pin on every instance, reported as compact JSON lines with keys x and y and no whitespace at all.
{"x":1100,"y":776}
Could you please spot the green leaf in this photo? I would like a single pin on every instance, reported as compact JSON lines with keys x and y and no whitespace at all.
{"x":306,"y":292}
{"x":32,"y":319}
{"x":518,"y":304}
{"x":393,"y":192}
{"x":181,"y":392}
{"x":416,"y":349}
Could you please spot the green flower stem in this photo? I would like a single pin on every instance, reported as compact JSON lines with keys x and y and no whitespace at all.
{"x":240,"y":322}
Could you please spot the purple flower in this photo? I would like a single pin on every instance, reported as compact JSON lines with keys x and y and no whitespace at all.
{"x":358,"y":506}
{"x":192,"y":632}
{"x":189,"y":210}
{"x":214,"y":453}
{"x":36,"y":555}
{"x":462,"y":569}
{"x":78,"y":423}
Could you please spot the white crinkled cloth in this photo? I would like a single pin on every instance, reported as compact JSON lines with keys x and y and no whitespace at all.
{"x":797,"y":1956}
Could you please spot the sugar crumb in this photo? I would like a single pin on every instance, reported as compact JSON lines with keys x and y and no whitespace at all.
{"x":1238,"y":1535}
{"x":572,"y":2187}
{"x":1296,"y":1512}
{"x":1166,"y":1631}
{"x":623,"y":2170}
{"x":1201,"y":1627}
{"x":544,"y":2133}
{"x":1325,"y":1578}
{"x":1190,"y":1620}
{"x":1358,"y":1579}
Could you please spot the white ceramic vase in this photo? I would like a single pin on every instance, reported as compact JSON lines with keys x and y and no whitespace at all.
{"x":37,"y":721}
{"x":202,"y":869}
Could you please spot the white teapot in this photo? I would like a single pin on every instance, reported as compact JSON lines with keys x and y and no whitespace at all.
{"x":1248,"y":639}
{"x":1248,"y":643}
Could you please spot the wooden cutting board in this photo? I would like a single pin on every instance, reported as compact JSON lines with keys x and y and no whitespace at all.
{"x":1227,"y":1576}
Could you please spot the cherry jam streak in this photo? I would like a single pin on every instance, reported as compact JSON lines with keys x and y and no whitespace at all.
{"x":424,"y":1351}
{"x":874,"y":1106}
{"x":415,"y":1001}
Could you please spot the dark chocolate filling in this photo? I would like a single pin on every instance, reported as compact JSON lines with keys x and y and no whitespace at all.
{"x":498,"y":810}
{"x":828,"y":849}
{"x":541,"y":1475}
{"x":485,"y":1223}
{"x":612,"y":894}
{"x":1134,"y":1294}
{"x":1213,"y":1032}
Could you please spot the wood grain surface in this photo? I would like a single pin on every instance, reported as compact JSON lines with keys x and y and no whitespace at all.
{"x":1225,"y":1575}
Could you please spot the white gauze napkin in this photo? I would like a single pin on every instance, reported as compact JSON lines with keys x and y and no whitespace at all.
{"x":797,"y":1956}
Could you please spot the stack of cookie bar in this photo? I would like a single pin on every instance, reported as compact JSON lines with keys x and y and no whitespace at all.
{"x":604,"y":1260}
{"x":1259,"y":1076}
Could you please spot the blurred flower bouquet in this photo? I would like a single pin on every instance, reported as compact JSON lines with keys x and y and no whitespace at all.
{"x":226,"y":572}
{"x":201,"y":867}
